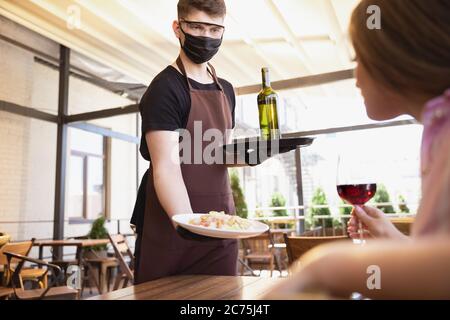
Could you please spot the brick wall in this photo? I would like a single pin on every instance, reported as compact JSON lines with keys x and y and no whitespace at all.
{"x":28,"y":146}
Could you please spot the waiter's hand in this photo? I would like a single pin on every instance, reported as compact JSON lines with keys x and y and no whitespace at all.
{"x":187,"y":235}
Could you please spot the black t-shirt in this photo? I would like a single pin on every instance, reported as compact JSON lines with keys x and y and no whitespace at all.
{"x":166,"y":103}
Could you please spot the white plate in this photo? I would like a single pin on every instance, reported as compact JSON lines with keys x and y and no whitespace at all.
{"x":255,"y":229}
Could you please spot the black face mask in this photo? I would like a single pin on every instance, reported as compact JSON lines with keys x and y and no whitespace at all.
{"x":200,"y":49}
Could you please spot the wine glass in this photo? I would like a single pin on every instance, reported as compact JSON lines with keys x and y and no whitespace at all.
{"x":355,"y":184}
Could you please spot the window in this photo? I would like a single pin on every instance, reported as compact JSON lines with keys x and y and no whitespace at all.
{"x":394,"y":154}
{"x":332,"y":107}
{"x":86,"y":172}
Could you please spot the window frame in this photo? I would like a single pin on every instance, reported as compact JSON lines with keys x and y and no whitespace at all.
{"x":106,"y":194}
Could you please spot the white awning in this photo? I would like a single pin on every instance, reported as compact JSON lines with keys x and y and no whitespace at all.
{"x":294,"y":38}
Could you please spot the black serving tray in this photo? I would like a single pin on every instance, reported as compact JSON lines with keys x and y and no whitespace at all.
{"x":269,"y":147}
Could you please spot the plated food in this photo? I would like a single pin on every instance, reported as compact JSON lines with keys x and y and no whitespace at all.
{"x":220,"y":225}
{"x":220,"y":220}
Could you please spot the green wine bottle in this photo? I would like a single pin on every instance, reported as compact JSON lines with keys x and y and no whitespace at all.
{"x":267,"y":104}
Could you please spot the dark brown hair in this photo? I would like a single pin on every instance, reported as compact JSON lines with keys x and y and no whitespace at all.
{"x":214,"y":8}
{"x":411,"y":52}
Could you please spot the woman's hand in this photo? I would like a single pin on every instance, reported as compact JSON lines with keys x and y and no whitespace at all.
{"x":375,"y":224}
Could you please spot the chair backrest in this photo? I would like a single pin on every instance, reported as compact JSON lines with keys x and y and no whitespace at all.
{"x":296,"y":246}
{"x":121,"y":249}
{"x":121,"y":243}
{"x":21,"y":293}
{"x":404,"y":225}
{"x":21,"y":248}
{"x":258,"y":244}
{"x":324,"y":232}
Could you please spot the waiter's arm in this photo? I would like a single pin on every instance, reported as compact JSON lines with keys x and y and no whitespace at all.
{"x":163,"y":147}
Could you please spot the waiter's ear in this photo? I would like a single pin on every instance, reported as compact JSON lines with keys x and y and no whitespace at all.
{"x":176,"y":28}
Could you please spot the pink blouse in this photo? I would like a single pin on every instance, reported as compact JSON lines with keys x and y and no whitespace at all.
{"x":433,"y":216}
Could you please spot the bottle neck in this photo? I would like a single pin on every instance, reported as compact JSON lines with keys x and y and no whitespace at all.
{"x":265,"y":79}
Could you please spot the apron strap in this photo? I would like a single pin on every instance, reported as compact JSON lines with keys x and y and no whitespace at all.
{"x":214,"y":75}
{"x":211,"y":71}
{"x":183,"y":71}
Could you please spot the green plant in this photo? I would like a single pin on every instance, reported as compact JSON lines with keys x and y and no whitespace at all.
{"x":342,"y":222}
{"x":238,"y":195}
{"x":278,"y":200}
{"x":347,"y":210}
{"x":319,"y":198}
{"x":98,"y":231}
{"x":402,"y":207}
{"x":382,"y":196}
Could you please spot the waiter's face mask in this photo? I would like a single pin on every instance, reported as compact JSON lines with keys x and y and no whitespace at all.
{"x":198,"y":47}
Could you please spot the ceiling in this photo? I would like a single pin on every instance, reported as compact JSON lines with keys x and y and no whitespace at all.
{"x":294,"y":38}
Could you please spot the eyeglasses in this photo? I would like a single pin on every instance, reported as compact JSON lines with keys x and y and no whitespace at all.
{"x":204,"y":29}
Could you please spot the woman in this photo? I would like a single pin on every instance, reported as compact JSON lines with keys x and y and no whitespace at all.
{"x":404,"y":68}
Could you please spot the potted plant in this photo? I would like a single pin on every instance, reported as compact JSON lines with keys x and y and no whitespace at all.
{"x":278,"y":200}
{"x":238,"y":195}
{"x":402,"y":206}
{"x":319,"y":199}
{"x":4,"y":238}
{"x":98,"y":231}
{"x":382,"y":196}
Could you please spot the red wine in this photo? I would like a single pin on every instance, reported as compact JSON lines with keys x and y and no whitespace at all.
{"x":357,"y":194}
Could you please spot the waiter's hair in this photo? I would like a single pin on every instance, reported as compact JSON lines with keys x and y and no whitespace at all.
{"x":215,"y":8}
{"x":411,"y":52}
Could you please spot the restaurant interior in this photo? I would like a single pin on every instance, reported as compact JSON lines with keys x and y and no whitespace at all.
{"x":76,"y":71}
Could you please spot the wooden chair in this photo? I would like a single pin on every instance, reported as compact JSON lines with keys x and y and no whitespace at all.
{"x":325,"y":232}
{"x":103,"y":266}
{"x":36,"y":275}
{"x":296,"y":246}
{"x":404,"y":225}
{"x":122,"y":250}
{"x":5,"y":293}
{"x":97,"y":269}
{"x":259,"y":251}
{"x":49,"y":293}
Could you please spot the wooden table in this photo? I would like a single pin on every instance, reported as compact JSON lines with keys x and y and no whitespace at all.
{"x":195,"y":288}
{"x":80,"y":245}
{"x":5,"y":292}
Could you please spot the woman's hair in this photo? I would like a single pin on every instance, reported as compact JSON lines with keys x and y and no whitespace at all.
{"x":215,"y":8}
{"x":411,"y":52}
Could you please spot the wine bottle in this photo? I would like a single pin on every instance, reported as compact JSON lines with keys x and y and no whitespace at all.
{"x":267,"y":105}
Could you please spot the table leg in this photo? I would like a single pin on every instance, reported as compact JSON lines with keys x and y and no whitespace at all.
{"x":246,"y":266}
{"x":278,"y":261}
{"x":103,"y":277}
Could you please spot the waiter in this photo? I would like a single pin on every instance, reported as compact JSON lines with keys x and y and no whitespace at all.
{"x":185,"y":93}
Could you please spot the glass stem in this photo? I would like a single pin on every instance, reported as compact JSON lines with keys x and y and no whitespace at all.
{"x":361,"y":231}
